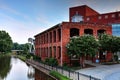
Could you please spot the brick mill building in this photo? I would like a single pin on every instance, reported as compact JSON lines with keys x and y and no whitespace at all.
{"x":83,"y":20}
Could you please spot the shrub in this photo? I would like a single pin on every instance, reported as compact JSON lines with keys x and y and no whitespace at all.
{"x":28,"y":56}
{"x":51,"y":61}
{"x":36,"y":58}
{"x":47,"y":61}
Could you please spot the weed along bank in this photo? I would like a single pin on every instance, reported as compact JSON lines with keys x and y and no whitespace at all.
{"x":82,"y":20}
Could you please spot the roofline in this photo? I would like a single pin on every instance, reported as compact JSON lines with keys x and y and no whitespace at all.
{"x":55,"y":26}
{"x":85,"y":6}
{"x":78,"y":6}
{"x":104,"y":14}
{"x":110,"y":13}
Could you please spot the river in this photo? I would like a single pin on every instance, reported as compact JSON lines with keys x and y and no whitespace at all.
{"x":12,"y":68}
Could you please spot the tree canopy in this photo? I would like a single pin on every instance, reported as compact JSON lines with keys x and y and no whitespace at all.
{"x":109,"y":43}
{"x":24,"y":47}
{"x":5,"y":42}
{"x":83,"y":45}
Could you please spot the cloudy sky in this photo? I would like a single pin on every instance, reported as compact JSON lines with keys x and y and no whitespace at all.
{"x":25,"y":18}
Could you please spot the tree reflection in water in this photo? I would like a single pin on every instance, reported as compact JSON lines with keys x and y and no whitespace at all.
{"x":4,"y":66}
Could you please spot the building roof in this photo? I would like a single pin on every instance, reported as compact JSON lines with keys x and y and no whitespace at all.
{"x":55,"y":26}
{"x":84,"y":10}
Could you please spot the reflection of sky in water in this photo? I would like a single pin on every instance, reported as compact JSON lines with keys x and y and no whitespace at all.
{"x":116,"y":29}
{"x":18,"y":71}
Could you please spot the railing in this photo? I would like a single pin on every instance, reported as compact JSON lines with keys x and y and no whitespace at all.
{"x":71,"y":74}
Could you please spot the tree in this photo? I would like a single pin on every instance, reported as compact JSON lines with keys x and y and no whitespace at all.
{"x":109,"y":43}
{"x":82,"y":46}
{"x":5,"y":42}
{"x":16,"y":46}
{"x":24,"y":47}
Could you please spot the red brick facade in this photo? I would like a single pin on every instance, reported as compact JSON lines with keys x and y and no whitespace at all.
{"x":52,"y":42}
{"x":90,"y":15}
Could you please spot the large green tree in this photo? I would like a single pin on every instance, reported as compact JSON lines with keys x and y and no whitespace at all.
{"x":109,"y":43}
{"x":5,"y":42}
{"x":82,"y":46}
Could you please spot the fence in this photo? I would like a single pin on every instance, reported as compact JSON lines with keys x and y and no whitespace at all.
{"x":71,"y":74}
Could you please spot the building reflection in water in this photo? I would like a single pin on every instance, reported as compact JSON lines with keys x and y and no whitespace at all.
{"x":30,"y":73}
{"x":41,"y":76}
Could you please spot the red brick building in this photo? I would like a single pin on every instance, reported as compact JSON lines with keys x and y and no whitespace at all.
{"x":92,"y":16}
{"x":83,"y":20}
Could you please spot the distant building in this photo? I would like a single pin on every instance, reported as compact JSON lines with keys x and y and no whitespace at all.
{"x":83,"y":20}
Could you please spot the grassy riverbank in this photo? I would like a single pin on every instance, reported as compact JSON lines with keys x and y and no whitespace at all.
{"x":59,"y":76}
{"x":22,"y":57}
{"x":5,"y":54}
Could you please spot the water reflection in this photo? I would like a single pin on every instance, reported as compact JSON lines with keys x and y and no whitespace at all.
{"x":41,"y":76}
{"x":30,"y":72}
{"x":12,"y":68}
{"x":4,"y":66}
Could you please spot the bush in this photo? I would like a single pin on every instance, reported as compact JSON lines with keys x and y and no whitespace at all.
{"x":59,"y":76}
{"x":28,"y":56}
{"x":36,"y":58}
{"x":51,"y":61}
{"x":47,"y":61}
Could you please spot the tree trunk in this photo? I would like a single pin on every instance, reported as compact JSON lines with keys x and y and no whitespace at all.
{"x":113,"y":57}
{"x":82,"y":61}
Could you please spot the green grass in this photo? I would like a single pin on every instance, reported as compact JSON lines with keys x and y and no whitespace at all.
{"x":5,"y":54}
{"x":59,"y":76}
{"x":21,"y":57}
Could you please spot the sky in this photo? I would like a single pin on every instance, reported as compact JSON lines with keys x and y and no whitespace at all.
{"x":23,"y":19}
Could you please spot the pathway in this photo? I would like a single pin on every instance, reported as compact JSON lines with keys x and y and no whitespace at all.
{"x":103,"y":72}
{"x":71,"y":74}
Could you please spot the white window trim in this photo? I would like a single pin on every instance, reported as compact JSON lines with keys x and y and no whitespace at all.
{"x":88,"y":19}
{"x":113,"y":16}
{"x":99,"y":17}
{"x":119,"y":14}
{"x":106,"y":16}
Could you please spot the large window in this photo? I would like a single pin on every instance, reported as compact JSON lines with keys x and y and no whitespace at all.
{"x":54,"y":51}
{"x":88,"y":31}
{"x":116,"y":29}
{"x":74,"y":32}
{"x":59,"y":34}
{"x":50,"y":37}
{"x":77,"y":18}
{"x":50,"y":50}
{"x":47,"y":37}
{"x":59,"y":52}
{"x":100,"y":31}
{"x":54,"y":33}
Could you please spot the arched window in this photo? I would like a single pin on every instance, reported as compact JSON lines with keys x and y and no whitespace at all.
{"x":100,"y":31}
{"x":74,"y":32}
{"x":88,"y":31}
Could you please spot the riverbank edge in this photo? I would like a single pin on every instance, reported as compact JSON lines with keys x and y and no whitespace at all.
{"x":41,"y":69}
{"x":35,"y":66}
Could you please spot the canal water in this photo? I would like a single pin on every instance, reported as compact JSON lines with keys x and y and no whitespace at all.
{"x":12,"y":68}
